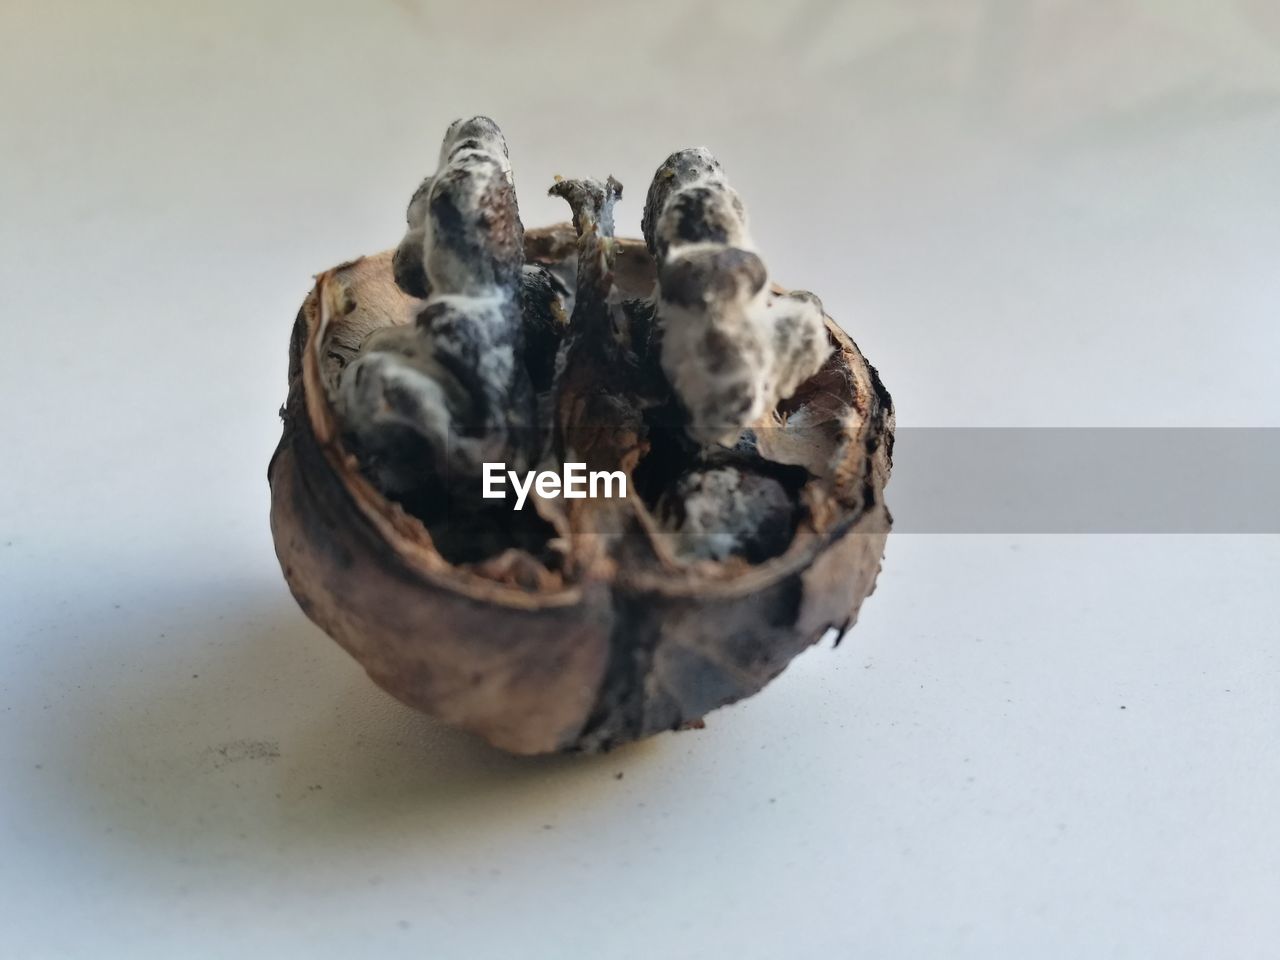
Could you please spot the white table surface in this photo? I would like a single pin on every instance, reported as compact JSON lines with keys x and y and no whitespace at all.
{"x":1028,"y":213}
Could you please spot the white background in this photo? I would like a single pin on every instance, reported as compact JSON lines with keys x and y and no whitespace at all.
{"x":1028,"y":213}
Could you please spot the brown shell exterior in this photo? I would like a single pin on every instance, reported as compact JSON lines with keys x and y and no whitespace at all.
{"x":587,"y":666}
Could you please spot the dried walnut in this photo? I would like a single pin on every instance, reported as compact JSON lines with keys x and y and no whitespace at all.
{"x":754,"y":438}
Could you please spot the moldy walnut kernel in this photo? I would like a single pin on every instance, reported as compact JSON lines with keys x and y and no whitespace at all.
{"x":753,"y":437}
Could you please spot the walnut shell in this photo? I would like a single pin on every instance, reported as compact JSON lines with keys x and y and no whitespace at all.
{"x":565,"y":663}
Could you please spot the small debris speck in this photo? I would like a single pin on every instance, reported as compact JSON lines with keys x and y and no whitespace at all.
{"x":618,"y":775}
{"x":238,"y":750}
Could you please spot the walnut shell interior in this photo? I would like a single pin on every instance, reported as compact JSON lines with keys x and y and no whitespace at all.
{"x":583,"y":634}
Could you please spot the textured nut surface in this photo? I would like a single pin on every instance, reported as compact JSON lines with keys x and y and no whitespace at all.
{"x":604,"y":653}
